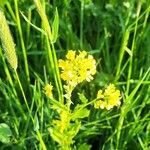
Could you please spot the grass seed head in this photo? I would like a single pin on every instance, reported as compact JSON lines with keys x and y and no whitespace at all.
{"x":7,"y":42}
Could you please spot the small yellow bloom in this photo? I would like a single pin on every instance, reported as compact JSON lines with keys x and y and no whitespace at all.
{"x":109,"y":98}
{"x":100,"y":94}
{"x":48,"y":90}
{"x":70,"y":55}
{"x":77,"y":68}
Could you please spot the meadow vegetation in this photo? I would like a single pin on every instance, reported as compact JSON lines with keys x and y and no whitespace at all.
{"x":75,"y":74}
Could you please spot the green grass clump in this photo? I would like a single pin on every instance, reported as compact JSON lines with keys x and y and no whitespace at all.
{"x":115,"y":33}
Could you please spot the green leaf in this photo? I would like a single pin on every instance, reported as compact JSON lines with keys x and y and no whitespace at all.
{"x":5,"y":133}
{"x":82,"y":98}
{"x":55,"y":27}
{"x":56,"y":135}
{"x":61,"y":138}
{"x":84,"y":146}
{"x":74,"y":129}
{"x":2,"y":3}
{"x":34,"y":26}
{"x":80,"y":112}
{"x":36,"y":123}
{"x":58,"y":105}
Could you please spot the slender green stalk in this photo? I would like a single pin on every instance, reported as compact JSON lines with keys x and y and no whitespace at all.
{"x":19,"y":106}
{"x":127,"y":107}
{"x":65,"y":147}
{"x":7,"y":72}
{"x":81,"y":23}
{"x":52,"y":65}
{"x":22,"y":91}
{"x":43,"y":16}
{"x":106,"y":51}
{"x":146,"y":16}
{"x":133,"y":47}
{"x":41,"y":141}
{"x":29,"y":25}
{"x":22,"y":40}
{"x":121,"y":52}
{"x":124,"y":42}
{"x":58,"y":75}
{"x":50,"y":49}
{"x":10,"y":53}
{"x":26,"y":103}
{"x":134,"y":82}
{"x":11,"y":11}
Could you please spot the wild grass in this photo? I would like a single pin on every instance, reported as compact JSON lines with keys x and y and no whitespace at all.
{"x":116,"y":33}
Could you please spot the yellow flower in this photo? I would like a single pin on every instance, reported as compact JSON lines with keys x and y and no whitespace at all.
{"x":100,"y":94}
{"x":70,"y":55}
{"x":109,"y":98}
{"x":77,"y":68}
{"x":48,"y":90}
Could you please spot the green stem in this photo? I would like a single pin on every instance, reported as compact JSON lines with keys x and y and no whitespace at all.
{"x":11,"y":11}
{"x":41,"y":141}
{"x":121,"y":52}
{"x":133,"y":47}
{"x":22,"y":91}
{"x":50,"y":49}
{"x":22,"y":40}
{"x":26,"y":103}
{"x":81,"y":23}
{"x":12,"y":85}
{"x":65,"y":147}
{"x":127,"y":107}
{"x":61,"y":98}
{"x":52,"y":65}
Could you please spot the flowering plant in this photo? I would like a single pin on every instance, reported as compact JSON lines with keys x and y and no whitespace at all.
{"x":74,"y":70}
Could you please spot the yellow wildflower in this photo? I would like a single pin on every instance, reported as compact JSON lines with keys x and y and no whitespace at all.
{"x":109,"y":98}
{"x":48,"y":90}
{"x":77,"y":68}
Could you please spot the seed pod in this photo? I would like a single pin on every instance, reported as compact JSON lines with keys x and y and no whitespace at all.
{"x":7,"y":42}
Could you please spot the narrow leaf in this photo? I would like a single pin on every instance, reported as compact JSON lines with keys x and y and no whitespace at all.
{"x":55,"y":27}
{"x":82,"y":98}
{"x":80,"y":113}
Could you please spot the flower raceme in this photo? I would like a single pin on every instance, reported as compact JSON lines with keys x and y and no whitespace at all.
{"x":77,"y":68}
{"x":109,"y":98}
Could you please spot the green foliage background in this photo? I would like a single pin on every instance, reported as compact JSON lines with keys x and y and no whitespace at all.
{"x":116,"y":33}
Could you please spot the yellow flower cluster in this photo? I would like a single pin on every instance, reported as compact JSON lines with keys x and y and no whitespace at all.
{"x":77,"y":68}
{"x":109,"y":98}
{"x":48,"y":90}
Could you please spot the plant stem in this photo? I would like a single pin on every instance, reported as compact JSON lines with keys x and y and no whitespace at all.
{"x":81,"y":23}
{"x":26,"y":103}
{"x":22,"y":41}
{"x":133,"y":47}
